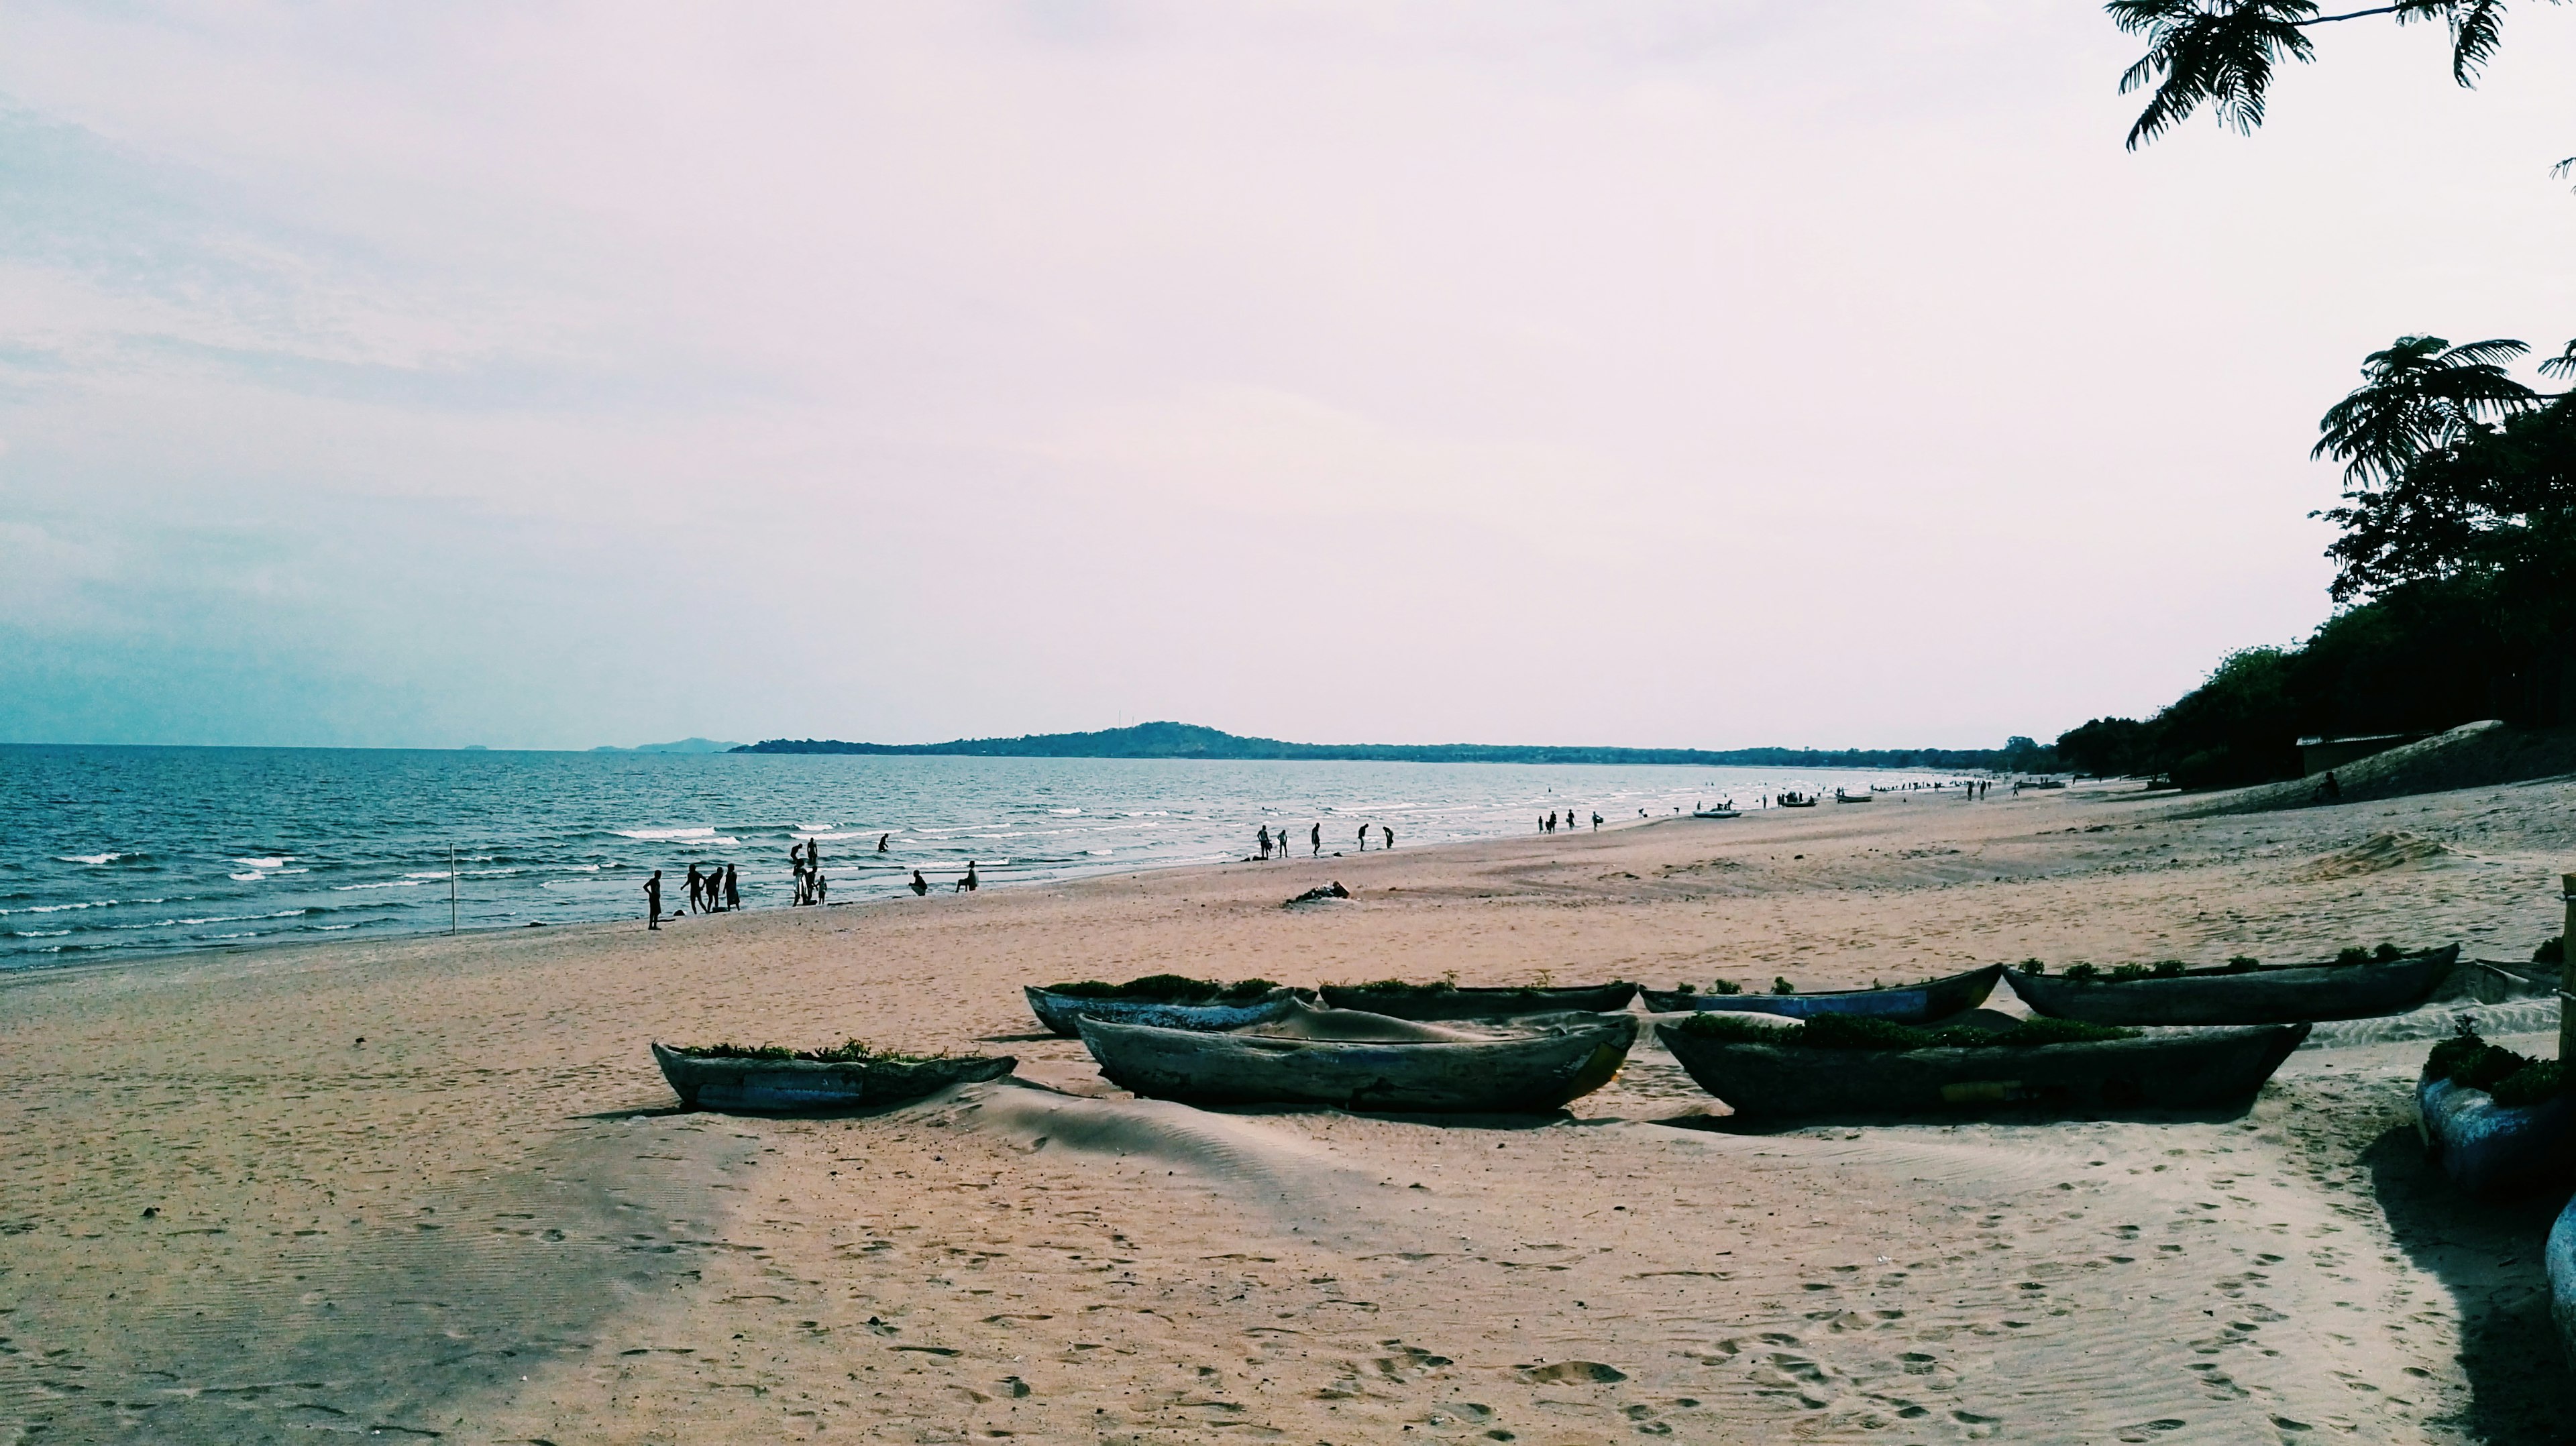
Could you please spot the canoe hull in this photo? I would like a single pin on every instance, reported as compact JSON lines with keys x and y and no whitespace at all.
{"x":1914,"y":1004}
{"x":2201,"y":1069}
{"x":1520,"y":1075}
{"x":2561,"y":1256}
{"x":1482,"y":1003}
{"x":2488,"y":1149}
{"x":1061,"y":1012}
{"x":787,"y":1086}
{"x":2260,"y":996}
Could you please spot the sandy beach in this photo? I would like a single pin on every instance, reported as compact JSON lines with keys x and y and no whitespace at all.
{"x":435,"y":1188}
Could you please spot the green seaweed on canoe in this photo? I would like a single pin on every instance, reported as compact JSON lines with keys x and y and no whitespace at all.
{"x":1169,"y":989}
{"x":854,"y":1051}
{"x":2514,"y":1081}
{"x":1854,"y":1031}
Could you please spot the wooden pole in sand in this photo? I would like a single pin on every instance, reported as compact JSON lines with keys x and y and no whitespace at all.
{"x":451,"y":888}
{"x":2566,"y":969}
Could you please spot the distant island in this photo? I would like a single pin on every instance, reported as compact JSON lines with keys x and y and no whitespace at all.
{"x":685,"y":745}
{"x":1189,"y":740}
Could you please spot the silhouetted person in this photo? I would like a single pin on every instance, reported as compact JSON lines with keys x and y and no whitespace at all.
{"x":967,"y":884}
{"x":1390,"y":835}
{"x":920,"y":885}
{"x":822,"y":887}
{"x":1265,"y":840}
{"x":1596,"y":822}
{"x":1363,"y":838}
{"x":2330,"y":790}
{"x":653,"y":901}
{"x":697,"y":889}
{"x":881,"y":841}
{"x":733,"y":888}
{"x":1317,"y":840}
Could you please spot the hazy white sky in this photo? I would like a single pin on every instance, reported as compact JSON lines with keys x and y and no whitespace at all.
{"x":1717,"y":373}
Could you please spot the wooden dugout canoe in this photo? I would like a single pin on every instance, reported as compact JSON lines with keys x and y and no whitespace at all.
{"x":2491,"y":1149}
{"x":2175,"y":1069}
{"x":1059,"y":1011}
{"x":2561,"y":1256}
{"x":2276,"y":995}
{"x":1479,"y":1003}
{"x":1908,"y":1004}
{"x":1522,"y":1073}
{"x":778,"y":1086}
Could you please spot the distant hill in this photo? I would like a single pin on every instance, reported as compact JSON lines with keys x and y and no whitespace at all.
{"x":1189,"y":740}
{"x":685,"y":745}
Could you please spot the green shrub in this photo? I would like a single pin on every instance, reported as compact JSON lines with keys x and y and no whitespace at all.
{"x":2354,"y":955}
{"x":2080,"y":972}
{"x":1782,"y":986}
{"x":2034,"y":966}
{"x":1169,"y":989}
{"x":2515,"y":1081}
{"x":1726,"y":986}
{"x":2168,"y":969}
{"x":855,"y":1051}
{"x":2243,"y":964}
{"x":2552,"y":950}
{"x":2387,"y":951}
{"x":2123,"y":973}
{"x":1685,"y":988}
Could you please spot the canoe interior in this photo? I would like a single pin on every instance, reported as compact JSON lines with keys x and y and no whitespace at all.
{"x":1060,"y":1012}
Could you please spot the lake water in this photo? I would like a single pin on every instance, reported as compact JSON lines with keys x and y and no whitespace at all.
{"x":133,"y":851}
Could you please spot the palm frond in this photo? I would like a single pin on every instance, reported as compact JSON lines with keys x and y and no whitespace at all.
{"x":2477,"y":28}
{"x":2418,"y":394}
{"x":2222,"y":52}
{"x":2486,"y":353}
{"x":2561,"y":365}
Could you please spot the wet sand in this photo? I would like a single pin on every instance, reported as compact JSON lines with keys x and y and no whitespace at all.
{"x":226,"y":1218}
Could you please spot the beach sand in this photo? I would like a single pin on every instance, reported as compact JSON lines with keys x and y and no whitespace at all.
{"x":435,"y":1189}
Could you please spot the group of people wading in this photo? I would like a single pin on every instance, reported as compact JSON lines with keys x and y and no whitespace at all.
{"x":1548,"y":824}
{"x":716,"y":890}
{"x":1265,"y":841}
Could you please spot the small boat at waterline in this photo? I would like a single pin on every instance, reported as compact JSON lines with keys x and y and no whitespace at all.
{"x":1524,"y":1072}
{"x":775,"y":1082}
{"x":2227,"y":995}
{"x":1922,"y":1003}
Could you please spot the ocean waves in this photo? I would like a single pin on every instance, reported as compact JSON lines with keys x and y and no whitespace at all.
{"x":563,"y":838}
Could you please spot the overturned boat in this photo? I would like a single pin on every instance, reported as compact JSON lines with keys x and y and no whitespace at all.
{"x":1907,"y":1004}
{"x":774,"y":1081}
{"x":1351,"y":1061}
{"x":1400,"y":1000}
{"x":1784,"y":1078}
{"x":2275,"y":994}
{"x":1182,"y":1004}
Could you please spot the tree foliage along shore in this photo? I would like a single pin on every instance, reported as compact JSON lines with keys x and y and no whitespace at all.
{"x":2457,"y":565}
{"x":1189,"y":740}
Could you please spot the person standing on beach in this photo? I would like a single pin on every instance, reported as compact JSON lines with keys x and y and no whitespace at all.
{"x":733,"y":889}
{"x":1363,"y":838}
{"x":1390,"y":836}
{"x":967,"y":884}
{"x":920,"y":885}
{"x":1265,"y":840}
{"x":653,"y":901}
{"x":1317,"y":840}
{"x":822,"y":887}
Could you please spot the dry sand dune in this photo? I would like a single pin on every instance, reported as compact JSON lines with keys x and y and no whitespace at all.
{"x":228,"y":1219}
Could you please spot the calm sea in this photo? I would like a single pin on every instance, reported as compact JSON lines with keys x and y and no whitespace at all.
{"x":121,"y":852}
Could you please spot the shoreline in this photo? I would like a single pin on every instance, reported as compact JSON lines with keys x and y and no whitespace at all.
{"x":435,"y":1184}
